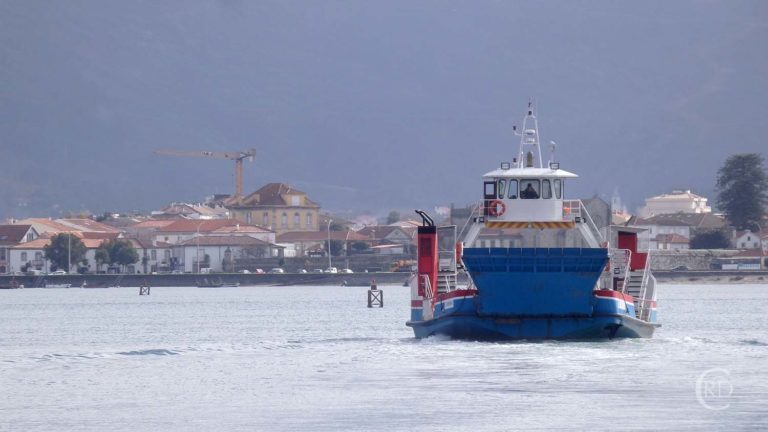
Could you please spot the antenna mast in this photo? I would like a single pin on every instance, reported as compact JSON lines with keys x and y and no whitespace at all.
{"x":529,"y":140}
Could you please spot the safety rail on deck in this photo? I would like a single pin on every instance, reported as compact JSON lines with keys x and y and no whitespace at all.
{"x":622,"y":258}
{"x":427,"y":309}
{"x":573,"y":209}
{"x":644,"y":289}
{"x":475,"y":212}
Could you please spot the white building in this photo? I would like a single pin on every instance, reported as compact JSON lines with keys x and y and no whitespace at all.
{"x":747,"y":240}
{"x":219,"y":253}
{"x":648,"y":239}
{"x":678,"y":201}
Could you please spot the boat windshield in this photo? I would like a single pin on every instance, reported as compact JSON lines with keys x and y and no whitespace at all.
{"x":546,"y":189}
{"x":529,"y":189}
{"x":512,"y":189}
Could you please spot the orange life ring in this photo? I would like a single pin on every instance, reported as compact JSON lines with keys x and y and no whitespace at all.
{"x":496,"y":208}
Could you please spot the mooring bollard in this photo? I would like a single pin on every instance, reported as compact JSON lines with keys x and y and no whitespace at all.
{"x":144,"y":290}
{"x":375,"y":296}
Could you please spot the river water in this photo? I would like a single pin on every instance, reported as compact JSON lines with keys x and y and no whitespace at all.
{"x":317,"y":359}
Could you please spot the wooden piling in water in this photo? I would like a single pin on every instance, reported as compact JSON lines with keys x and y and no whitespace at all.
{"x":375,"y":296}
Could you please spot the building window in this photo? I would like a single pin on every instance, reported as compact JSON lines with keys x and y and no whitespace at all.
{"x":248,"y":218}
{"x":30,"y":237}
{"x":265,"y":219}
{"x":296,"y":220}
{"x":309,"y":220}
{"x":23,"y":256}
{"x":153,"y":254}
{"x":2,"y":254}
{"x":38,"y":256}
{"x":284,"y":221}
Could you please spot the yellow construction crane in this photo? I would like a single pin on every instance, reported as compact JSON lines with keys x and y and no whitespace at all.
{"x":238,"y":157}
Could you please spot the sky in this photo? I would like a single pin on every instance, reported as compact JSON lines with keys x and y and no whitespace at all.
{"x":367,"y":105}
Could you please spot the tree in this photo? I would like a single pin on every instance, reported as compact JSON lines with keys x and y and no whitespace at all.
{"x":336,"y":247}
{"x":118,"y":251}
{"x":102,"y":257}
{"x":358,"y":246}
{"x":64,"y":250}
{"x":712,"y":239}
{"x":123,"y":253}
{"x":393,"y":216}
{"x":742,"y":190}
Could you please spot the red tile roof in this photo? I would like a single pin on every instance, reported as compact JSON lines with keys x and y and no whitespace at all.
{"x":672,"y":238}
{"x":202,"y":226}
{"x":271,"y":194}
{"x":152,"y":224}
{"x":235,"y":240}
{"x":84,"y":224}
{"x":13,"y":234}
{"x":42,"y":242}
{"x":299,"y":236}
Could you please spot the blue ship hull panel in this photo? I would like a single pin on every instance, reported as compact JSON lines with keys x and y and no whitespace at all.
{"x":476,"y":328}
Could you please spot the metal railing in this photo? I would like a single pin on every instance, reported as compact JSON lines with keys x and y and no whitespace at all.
{"x":642,"y":300}
{"x":622,"y":258}
{"x":427,"y":307}
{"x":573,"y":209}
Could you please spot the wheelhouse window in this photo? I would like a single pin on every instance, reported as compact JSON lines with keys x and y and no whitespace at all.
{"x":530,"y":189}
{"x":546,"y":189}
{"x":501,"y":187}
{"x":513,"y":189}
{"x":558,"y":189}
{"x":489,"y":190}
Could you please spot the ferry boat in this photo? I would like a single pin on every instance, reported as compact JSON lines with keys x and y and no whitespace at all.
{"x":536,"y":265}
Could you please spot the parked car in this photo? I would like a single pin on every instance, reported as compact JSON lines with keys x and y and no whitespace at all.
{"x":331,"y":270}
{"x":276,"y":270}
{"x":244,"y":271}
{"x":58,"y":272}
{"x":301,"y":271}
{"x":259,"y":271}
{"x":346,"y":270}
{"x":317,"y":271}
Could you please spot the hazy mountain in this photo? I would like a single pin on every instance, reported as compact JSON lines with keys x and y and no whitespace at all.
{"x":369,"y":105}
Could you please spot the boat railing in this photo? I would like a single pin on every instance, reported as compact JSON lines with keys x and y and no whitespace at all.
{"x":475,"y":212}
{"x":427,"y":309}
{"x":643,"y":300}
{"x":620,"y":266}
{"x":574,"y":210}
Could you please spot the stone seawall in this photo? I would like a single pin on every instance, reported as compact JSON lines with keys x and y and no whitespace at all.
{"x":712,"y":277}
{"x":191,"y":280}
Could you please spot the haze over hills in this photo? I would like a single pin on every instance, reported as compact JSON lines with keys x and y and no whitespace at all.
{"x":369,"y":105}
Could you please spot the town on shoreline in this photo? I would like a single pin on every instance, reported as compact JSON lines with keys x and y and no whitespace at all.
{"x":279,"y":229}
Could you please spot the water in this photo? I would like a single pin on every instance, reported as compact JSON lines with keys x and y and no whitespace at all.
{"x":316,"y":359}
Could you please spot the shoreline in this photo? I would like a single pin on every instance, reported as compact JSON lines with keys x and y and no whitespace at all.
{"x":687,"y":277}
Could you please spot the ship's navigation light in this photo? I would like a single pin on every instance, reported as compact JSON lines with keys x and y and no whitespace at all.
{"x":554,"y":166}
{"x":505,"y":165}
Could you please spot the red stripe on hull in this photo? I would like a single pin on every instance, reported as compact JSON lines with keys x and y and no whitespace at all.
{"x":614,"y":294}
{"x":456,"y":293}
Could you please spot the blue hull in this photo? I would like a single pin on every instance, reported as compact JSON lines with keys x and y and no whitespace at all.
{"x":477,"y":328}
{"x":532,"y":293}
